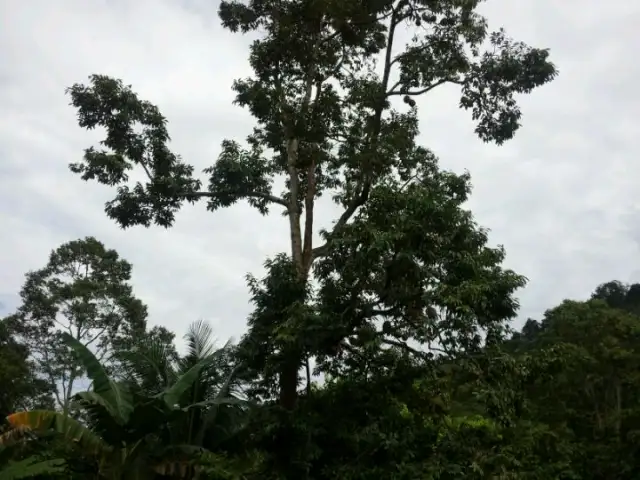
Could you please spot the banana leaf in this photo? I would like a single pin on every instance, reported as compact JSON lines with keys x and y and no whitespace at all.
{"x":173,"y":394}
{"x":30,"y":467}
{"x":116,"y":398}
{"x":70,"y":429}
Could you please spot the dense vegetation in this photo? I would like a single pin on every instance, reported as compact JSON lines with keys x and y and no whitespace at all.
{"x":385,"y":352}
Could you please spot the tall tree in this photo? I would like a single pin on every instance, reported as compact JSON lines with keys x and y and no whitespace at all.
{"x":83,"y":291}
{"x":326,"y":74}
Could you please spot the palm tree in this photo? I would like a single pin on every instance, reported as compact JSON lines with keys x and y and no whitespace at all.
{"x":130,"y":432}
{"x":152,"y":367}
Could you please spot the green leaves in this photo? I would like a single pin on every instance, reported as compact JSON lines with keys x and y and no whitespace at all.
{"x":18,"y":375}
{"x":110,"y":104}
{"x":489,"y":91}
{"x":304,"y":48}
{"x":174,"y":393}
{"x":31,"y":467}
{"x":240,"y":174}
{"x":131,"y":434}
{"x":583,"y":385}
{"x":418,"y":261}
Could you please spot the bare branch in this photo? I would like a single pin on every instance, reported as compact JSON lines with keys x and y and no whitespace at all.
{"x":57,"y":394}
{"x":146,"y":170}
{"x":309,"y":199}
{"x":308,"y":372}
{"x":366,"y":179}
{"x":61,"y":325}
{"x":292,"y":145}
{"x":403,"y":346}
{"x":98,"y":335}
{"x":423,"y":90}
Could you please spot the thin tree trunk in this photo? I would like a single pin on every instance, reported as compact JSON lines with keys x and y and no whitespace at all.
{"x":67,"y":395}
{"x":618,"y":421}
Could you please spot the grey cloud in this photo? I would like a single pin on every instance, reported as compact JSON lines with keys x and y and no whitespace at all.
{"x":8,"y":303}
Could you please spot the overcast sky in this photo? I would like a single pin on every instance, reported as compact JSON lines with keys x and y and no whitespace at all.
{"x":562,"y":197}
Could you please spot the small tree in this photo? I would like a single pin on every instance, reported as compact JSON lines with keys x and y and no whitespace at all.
{"x":83,"y":291}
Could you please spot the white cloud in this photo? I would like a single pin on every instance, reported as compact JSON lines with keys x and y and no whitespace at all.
{"x":561,"y":197}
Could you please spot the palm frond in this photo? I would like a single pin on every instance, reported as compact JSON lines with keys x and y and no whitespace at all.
{"x":150,"y":365}
{"x":223,"y":397}
{"x":200,"y":340}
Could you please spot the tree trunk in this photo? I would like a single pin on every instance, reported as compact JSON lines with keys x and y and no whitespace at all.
{"x":618,"y":419}
{"x":302,"y":248}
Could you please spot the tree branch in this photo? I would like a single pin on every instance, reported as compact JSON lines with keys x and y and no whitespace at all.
{"x":308,"y":220}
{"x":97,"y":335}
{"x":293,"y":144}
{"x":309,"y":199}
{"x":385,"y":312}
{"x":67,"y":393}
{"x":439,"y":350}
{"x":292,"y":207}
{"x":365,"y":181}
{"x":52,"y":379}
{"x":265,"y":196}
{"x":403,"y":346}
{"x":423,"y":90}
{"x":59,"y":399}
{"x":147,"y":171}
{"x":62,"y":325}
{"x":308,"y":372}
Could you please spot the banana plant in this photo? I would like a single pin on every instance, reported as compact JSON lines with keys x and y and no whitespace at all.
{"x":214,"y":413}
{"x":215,"y":410}
{"x":124,"y":429}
